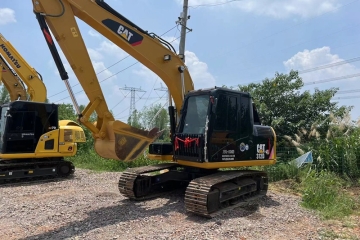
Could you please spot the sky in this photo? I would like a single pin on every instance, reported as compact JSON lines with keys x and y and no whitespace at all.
{"x":231,"y":42}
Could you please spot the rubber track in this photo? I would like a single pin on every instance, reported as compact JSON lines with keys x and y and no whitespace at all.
{"x":198,"y":189}
{"x":128,"y":177}
{"x":36,"y":179}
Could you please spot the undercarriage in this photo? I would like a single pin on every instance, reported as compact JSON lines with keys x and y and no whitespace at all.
{"x":34,"y":169}
{"x":207,"y":192}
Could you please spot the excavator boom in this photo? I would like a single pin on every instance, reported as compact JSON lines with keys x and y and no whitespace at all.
{"x":113,"y":139}
{"x":12,"y":82}
{"x":13,"y":62}
{"x":215,"y":128}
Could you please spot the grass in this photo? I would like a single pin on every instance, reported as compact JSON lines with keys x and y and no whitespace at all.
{"x":90,"y":160}
{"x":321,"y":191}
{"x":332,"y":235}
{"x":324,"y":191}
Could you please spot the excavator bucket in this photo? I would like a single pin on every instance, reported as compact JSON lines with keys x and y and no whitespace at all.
{"x":125,"y":142}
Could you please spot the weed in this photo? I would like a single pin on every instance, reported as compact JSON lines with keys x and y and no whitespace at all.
{"x":90,"y":160}
{"x":322,"y":191}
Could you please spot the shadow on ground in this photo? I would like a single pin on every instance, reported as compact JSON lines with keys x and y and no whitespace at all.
{"x":126,"y":210}
{"x":34,"y":181}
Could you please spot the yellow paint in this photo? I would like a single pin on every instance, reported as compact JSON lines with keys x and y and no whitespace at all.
{"x":59,"y":150}
{"x":216,"y":165}
{"x":35,"y":87}
{"x":160,"y":157}
{"x":74,"y":32}
{"x":149,"y":53}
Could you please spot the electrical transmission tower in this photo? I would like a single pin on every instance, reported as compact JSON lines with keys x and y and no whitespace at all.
{"x":133,"y":90}
{"x":161,"y":88}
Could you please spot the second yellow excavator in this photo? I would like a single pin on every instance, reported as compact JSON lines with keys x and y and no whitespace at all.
{"x":211,"y":129}
{"x":33,"y":142}
{"x":12,"y":82}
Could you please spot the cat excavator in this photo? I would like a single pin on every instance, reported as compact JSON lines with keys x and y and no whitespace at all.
{"x":33,"y":142}
{"x":215,"y":132}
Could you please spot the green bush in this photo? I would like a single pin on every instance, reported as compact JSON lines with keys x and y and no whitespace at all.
{"x":91,"y":160}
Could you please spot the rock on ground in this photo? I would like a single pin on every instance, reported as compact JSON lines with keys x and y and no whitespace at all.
{"x":89,"y":206}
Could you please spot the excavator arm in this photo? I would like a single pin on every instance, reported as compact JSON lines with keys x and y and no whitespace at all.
{"x":13,"y":62}
{"x":113,"y":139}
{"x":11,"y":82}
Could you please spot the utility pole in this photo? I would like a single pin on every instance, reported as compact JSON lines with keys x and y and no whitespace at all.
{"x":132,"y":100}
{"x":182,"y":21}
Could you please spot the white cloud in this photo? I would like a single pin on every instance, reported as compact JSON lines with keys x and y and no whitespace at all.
{"x":103,"y":73}
{"x":94,"y":33}
{"x":171,"y":40}
{"x":95,"y":55}
{"x":146,"y":74}
{"x":7,"y":15}
{"x":199,"y":72}
{"x":308,"y":59}
{"x":276,"y":8}
{"x":111,"y":49}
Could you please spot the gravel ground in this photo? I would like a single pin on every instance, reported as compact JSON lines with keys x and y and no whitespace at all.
{"x":89,"y":206}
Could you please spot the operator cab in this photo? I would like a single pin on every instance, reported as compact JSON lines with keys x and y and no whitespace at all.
{"x":195,"y":114}
{"x":218,"y":125}
{"x":22,"y":123}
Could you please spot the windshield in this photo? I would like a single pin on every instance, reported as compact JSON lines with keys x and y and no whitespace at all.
{"x":195,"y":114}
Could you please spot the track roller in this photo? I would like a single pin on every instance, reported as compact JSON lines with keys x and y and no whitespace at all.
{"x":213,"y":194}
{"x":144,"y":182}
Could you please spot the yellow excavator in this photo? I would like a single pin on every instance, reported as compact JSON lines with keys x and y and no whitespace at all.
{"x":12,"y":82}
{"x":211,"y":129}
{"x":33,"y":142}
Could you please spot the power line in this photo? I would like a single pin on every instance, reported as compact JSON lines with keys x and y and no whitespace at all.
{"x":103,"y":79}
{"x":349,"y":97}
{"x":176,"y":31}
{"x":136,"y":102}
{"x":297,"y":44}
{"x":133,"y":90}
{"x":283,"y":30}
{"x":347,"y":91}
{"x":110,"y":67}
{"x":214,"y":4}
{"x":122,"y":70}
{"x":96,"y":74}
{"x":333,"y":79}
{"x":161,"y":88}
{"x":335,"y":64}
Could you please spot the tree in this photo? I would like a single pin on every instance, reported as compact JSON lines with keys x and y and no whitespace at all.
{"x":282,"y":106}
{"x":4,"y":95}
{"x":66,"y":112}
{"x":135,"y":119}
{"x":150,"y":117}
